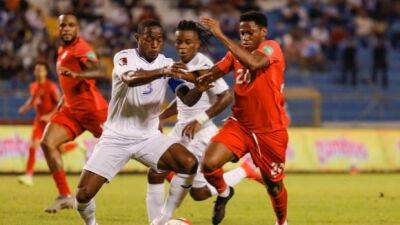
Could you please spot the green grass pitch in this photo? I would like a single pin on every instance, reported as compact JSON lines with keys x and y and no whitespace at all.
{"x":314,"y":199}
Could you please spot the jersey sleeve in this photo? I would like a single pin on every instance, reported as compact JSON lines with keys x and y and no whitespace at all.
{"x":272,"y":51}
{"x":32,"y":89}
{"x":219,"y":87}
{"x":120,"y":63}
{"x":226,"y":63}
{"x":85,"y":53}
{"x":202,"y":63}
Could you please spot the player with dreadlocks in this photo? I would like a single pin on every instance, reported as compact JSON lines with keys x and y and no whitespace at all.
{"x":194,"y":128}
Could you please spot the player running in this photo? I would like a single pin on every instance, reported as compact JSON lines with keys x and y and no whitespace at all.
{"x":258,"y":123}
{"x":140,"y":77}
{"x":194,"y":127}
{"x":84,"y":107}
{"x":44,"y":96}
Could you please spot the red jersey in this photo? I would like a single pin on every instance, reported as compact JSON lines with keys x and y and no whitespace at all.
{"x":44,"y":97}
{"x":259,"y":101}
{"x":79,"y":93}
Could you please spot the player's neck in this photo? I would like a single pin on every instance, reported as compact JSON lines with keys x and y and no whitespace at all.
{"x":67,"y":43}
{"x":147,"y":58}
{"x":187,"y":60}
{"x":41,"y":80}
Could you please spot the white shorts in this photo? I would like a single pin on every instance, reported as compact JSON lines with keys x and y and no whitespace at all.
{"x":112,"y":153}
{"x":197,"y":145}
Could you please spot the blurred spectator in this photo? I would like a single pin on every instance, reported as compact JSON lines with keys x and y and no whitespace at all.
{"x":380,"y":61}
{"x":349,"y":61}
{"x":364,"y":26}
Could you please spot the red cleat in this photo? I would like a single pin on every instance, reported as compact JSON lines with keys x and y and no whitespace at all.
{"x":251,"y":170}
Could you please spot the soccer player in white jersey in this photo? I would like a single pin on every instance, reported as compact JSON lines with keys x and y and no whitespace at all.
{"x":194,"y":127}
{"x":139,"y":82}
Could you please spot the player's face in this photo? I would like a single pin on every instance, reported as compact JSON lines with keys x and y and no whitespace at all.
{"x":187,"y":44}
{"x":68,"y":28}
{"x":150,"y":42}
{"x":251,"y":35}
{"x":40,"y":71}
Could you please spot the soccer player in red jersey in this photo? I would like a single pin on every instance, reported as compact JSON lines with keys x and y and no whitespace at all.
{"x":84,"y":107}
{"x":44,"y":96}
{"x":258,"y":122}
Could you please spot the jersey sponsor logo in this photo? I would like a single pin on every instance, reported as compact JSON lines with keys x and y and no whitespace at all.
{"x":243,"y":76}
{"x":268,"y":49}
{"x":123,"y":61}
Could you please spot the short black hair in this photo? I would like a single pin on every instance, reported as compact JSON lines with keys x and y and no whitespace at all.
{"x":203,"y":33}
{"x":148,"y":23}
{"x":43,"y":63}
{"x":259,"y":18}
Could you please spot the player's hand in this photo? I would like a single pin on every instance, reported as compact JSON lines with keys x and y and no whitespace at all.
{"x":68,"y":72}
{"x":213,"y":25}
{"x":203,"y":82}
{"x":191,"y":129}
{"x":178,"y":67}
{"x":45,"y":118}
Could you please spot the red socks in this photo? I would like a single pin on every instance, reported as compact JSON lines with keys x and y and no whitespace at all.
{"x":170,"y":176}
{"x":30,"y":164}
{"x":216,"y":179}
{"x":61,"y":182}
{"x":280,"y":205}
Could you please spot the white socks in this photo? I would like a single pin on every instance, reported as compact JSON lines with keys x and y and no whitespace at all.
{"x":179,"y":188}
{"x":154,"y":200}
{"x":232,"y":178}
{"x":87,"y":211}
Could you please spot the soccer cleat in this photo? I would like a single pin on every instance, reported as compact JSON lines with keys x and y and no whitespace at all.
{"x":26,"y":180}
{"x":219,"y":207}
{"x":252,"y":172}
{"x":62,"y":202}
{"x":285,"y":223}
{"x":161,"y":220}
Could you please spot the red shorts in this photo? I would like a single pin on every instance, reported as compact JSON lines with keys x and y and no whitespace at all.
{"x":268,"y":150}
{"x":38,"y":129}
{"x":76,"y":122}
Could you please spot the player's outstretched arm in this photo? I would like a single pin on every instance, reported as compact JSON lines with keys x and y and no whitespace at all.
{"x":26,"y":106}
{"x":90,"y":69}
{"x":206,"y":77}
{"x":252,"y":60}
{"x":141,"y":77}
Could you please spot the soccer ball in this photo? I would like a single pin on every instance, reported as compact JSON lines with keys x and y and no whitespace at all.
{"x":179,"y":221}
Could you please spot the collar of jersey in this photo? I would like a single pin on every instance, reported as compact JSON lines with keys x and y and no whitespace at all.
{"x":143,"y":59}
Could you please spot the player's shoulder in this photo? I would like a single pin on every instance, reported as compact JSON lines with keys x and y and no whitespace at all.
{"x":121,"y":57}
{"x":33,"y":85}
{"x":164,"y":59}
{"x":270,"y":44}
{"x":203,"y":59}
{"x":83,"y":43}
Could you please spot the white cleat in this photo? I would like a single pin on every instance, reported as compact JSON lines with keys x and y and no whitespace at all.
{"x":285,"y":223}
{"x":62,"y":202}
{"x":26,"y":180}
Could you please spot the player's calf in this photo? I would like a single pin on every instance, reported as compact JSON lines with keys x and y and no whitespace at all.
{"x":200,"y":194}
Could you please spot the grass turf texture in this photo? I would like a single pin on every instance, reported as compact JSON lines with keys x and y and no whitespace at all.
{"x":314,"y":199}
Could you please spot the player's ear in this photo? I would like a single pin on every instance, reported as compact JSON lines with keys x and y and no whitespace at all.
{"x":136,"y":37}
{"x":264,"y":31}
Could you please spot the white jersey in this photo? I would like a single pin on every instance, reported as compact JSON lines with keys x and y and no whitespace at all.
{"x":133,"y":111}
{"x":186,"y":113}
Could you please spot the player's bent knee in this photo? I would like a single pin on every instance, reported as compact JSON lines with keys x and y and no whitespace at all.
{"x":45,"y":144}
{"x":209,"y":166}
{"x":274,"y":188}
{"x":191,"y":165}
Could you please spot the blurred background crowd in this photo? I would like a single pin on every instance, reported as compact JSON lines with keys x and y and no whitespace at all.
{"x":332,"y":47}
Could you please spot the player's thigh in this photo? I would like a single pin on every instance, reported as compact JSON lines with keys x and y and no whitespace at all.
{"x":270,"y":155}
{"x":216,"y":155}
{"x":178,"y":159}
{"x":109,"y":156}
{"x":55,"y":135}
